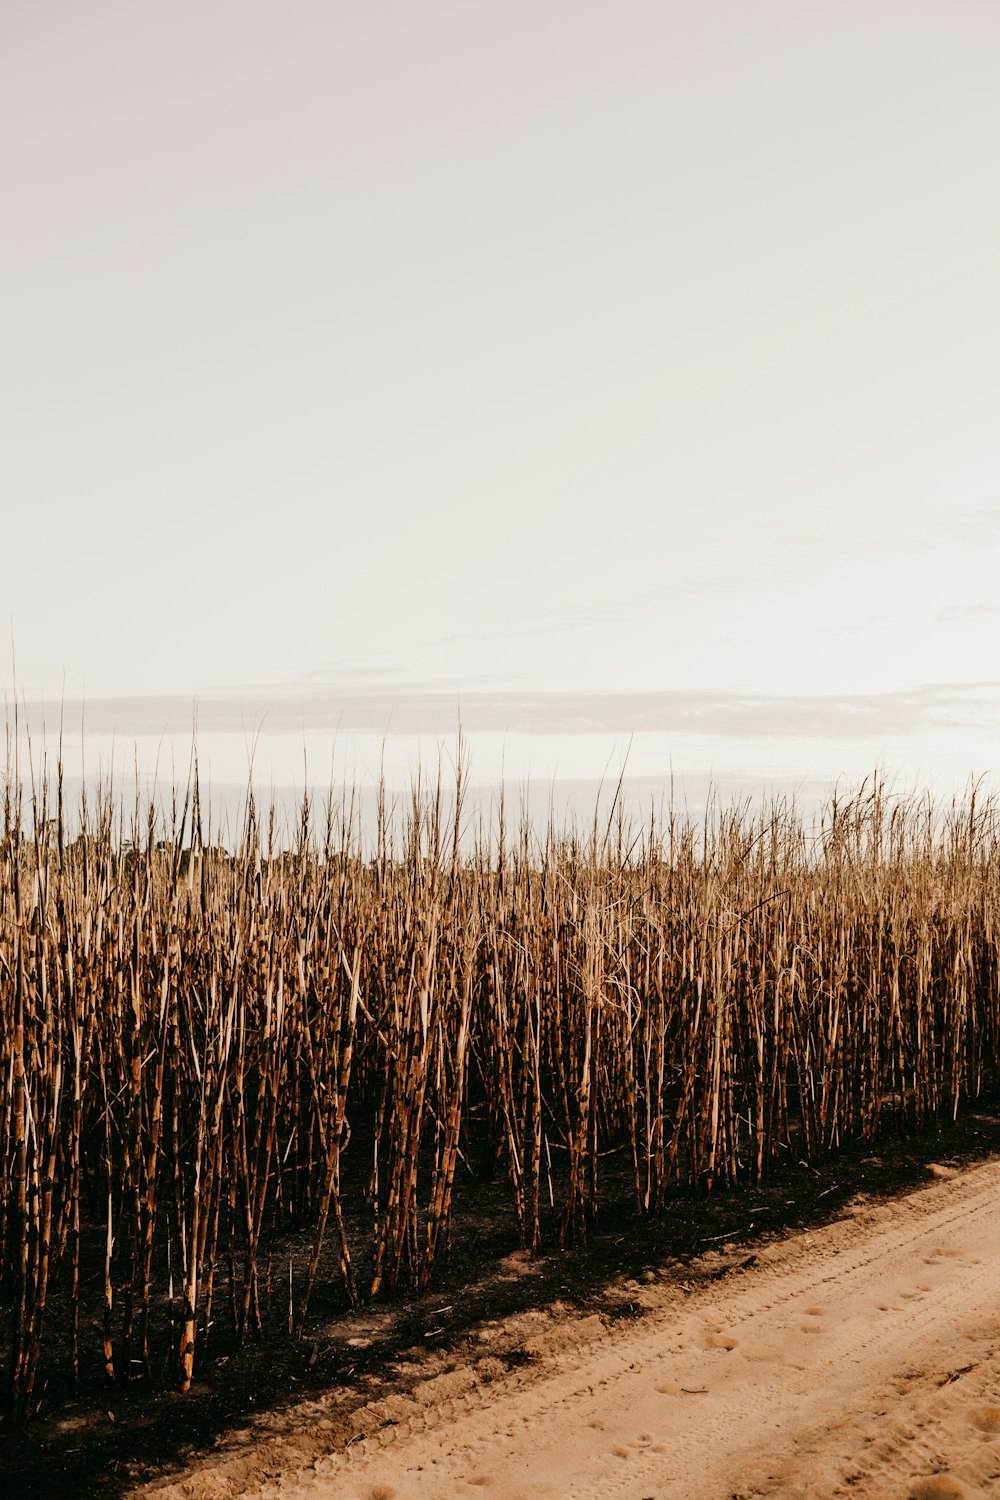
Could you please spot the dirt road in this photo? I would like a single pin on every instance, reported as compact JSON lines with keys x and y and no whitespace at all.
{"x":862,"y":1359}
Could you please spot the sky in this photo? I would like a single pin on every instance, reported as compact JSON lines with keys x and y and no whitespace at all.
{"x":619,"y":380}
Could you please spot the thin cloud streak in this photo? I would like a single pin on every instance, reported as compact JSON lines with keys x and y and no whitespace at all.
{"x":949,"y":614}
{"x":962,"y":526}
{"x":959,"y":614}
{"x":531,"y":624}
{"x":402,"y":709}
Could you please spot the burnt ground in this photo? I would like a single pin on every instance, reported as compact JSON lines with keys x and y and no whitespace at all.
{"x":107,"y":1440}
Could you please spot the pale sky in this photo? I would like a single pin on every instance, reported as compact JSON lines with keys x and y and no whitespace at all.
{"x":590,"y":371}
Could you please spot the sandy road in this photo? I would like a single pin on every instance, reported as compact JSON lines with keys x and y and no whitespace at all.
{"x":862,"y":1359}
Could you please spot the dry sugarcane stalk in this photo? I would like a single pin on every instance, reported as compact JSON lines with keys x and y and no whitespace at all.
{"x":184,"y":1032}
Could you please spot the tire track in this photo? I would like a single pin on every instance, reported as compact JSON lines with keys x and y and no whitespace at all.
{"x":876,"y":1253}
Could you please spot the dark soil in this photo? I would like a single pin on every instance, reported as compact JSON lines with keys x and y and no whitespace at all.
{"x":109,"y":1439}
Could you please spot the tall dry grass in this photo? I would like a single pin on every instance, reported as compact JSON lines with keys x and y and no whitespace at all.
{"x":193,"y":1040}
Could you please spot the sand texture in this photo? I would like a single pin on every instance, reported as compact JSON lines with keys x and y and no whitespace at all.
{"x":860,"y":1360}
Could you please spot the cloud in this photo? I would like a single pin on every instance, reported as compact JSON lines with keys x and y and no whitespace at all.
{"x":401,"y":709}
{"x":955,"y":614}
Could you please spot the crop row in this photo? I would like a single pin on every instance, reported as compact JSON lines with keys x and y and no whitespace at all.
{"x":193,"y":1040}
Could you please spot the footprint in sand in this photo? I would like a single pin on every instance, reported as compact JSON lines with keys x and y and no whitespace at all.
{"x":721,"y":1341}
{"x":987,"y":1419}
{"x":378,"y":1492}
{"x":640,"y":1444}
{"x":937,"y":1487}
{"x":762,"y":1356}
